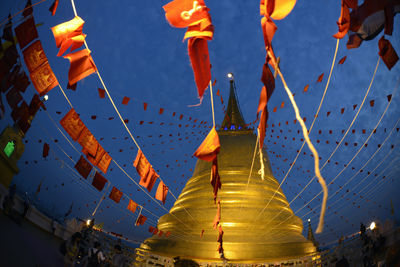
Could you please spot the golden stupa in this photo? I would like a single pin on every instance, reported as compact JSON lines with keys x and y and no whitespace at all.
{"x":249,"y":237}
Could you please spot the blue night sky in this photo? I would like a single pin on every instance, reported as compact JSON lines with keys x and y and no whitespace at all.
{"x":139,"y":55}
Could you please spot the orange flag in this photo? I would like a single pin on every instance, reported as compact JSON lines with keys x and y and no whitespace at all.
{"x":104,"y":162}
{"x":132,"y":206}
{"x":387,"y":53}
{"x":67,"y":30}
{"x":162,"y":191}
{"x":343,"y":22}
{"x":115,"y":194}
{"x":320,"y":77}
{"x":149,"y":181}
{"x":53,"y":7}
{"x":184,"y":13}
{"x":268,"y":80}
{"x":43,"y":79}
{"x":34,"y":56}
{"x":269,"y":28}
{"x":306,"y":88}
{"x":141,"y":164}
{"x":276,"y":9}
{"x":82,"y":65}
{"x":200,"y":60}
{"x":97,"y":156}
{"x":342,"y":60}
{"x":88,"y":142}
{"x":210,"y":147}
{"x":74,"y":42}
{"x":72,"y":124}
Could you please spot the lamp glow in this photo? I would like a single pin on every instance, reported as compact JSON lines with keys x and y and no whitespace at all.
{"x":46,"y":97}
{"x":88,"y":222}
{"x":230,"y":75}
{"x":309,"y":220}
{"x":372,"y":226}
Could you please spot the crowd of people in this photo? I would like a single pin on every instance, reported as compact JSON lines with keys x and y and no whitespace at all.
{"x":77,"y":251}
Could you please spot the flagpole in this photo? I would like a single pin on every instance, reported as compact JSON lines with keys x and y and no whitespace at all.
{"x":101,"y":199}
{"x":212,"y":104}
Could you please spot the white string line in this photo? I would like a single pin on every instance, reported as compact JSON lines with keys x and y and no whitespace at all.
{"x":77,"y":179}
{"x":328,"y":159}
{"x":348,"y":129}
{"x":83,"y":184}
{"x":212,"y":104}
{"x":68,"y":156}
{"x":117,"y":166}
{"x":375,"y":188}
{"x":361,"y":147}
{"x":251,"y":169}
{"x":312,"y":124}
{"x":358,"y":193}
{"x":359,"y":171}
{"x":119,"y":115}
{"x":310,"y":146}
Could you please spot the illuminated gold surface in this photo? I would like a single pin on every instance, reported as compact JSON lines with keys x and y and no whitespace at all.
{"x":243,"y":238}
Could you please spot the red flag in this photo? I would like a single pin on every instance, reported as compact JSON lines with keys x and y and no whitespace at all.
{"x":34,"y":56}
{"x":343,"y":22}
{"x":210,"y":147}
{"x":342,"y":60}
{"x":269,"y":28}
{"x":125,"y":100}
{"x":161,"y":111}
{"x":387,"y":53}
{"x":88,"y":142}
{"x":13,"y":98}
{"x":35,"y":104}
{"x":26,"y":32}
{"x":276,"y":9}
{"x":99,"y":181}
{"x":141,"y":220}
{"x":320,"y":77}
{"x":144,"y":106}
{"x":155,"y":231}
{"x":102,"y":92}
{"x":82,"y":65}
{"x":354,"y":41}
{"x":53,"y":7}
{"x":151,"y":229}
{"x":104,"y":163}
{"x":46,"y":149}
{"x":215,"y":179}
{"x":72,"y":124}
{"x":372,"y":103}
{"x":162,"y":191}
{"x":22,"y":82}
{"x":67,"y":30}
{"x":160,"y":233}
{"x":132,"y":206}
{"x":28,"y":10}
{"x":167,"y":234}
{"x":115,"y":194}
{"x":22,"y":111}
{"x":200,"y":60}
{"x":217,"y":217}
{"x":83,"y":167}
{"x":184,"y":13}
{"x":306,"y":88}
{"x":43,"y":79}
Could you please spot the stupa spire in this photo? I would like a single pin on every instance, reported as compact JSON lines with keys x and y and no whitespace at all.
{"x":233,"y":119}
